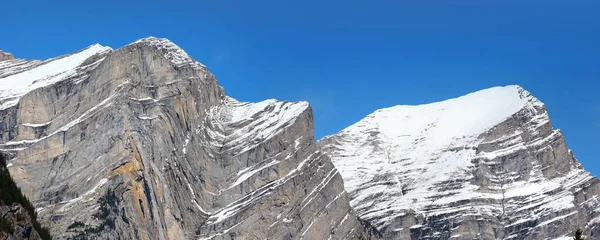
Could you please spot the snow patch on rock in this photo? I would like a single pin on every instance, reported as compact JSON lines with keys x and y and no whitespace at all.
{"x":13,"y":87}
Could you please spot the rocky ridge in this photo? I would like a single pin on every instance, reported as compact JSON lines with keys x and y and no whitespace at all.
{"x":145,"y":140}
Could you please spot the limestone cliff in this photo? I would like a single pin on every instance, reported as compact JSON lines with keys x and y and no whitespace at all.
{"x":142,"y":143}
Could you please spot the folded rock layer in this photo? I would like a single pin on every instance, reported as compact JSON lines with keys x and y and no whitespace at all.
{"x":142,"y":143}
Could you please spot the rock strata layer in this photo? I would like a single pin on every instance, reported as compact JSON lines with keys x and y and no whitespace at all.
{"x":145,"y":142}
{"x":487,"y":165}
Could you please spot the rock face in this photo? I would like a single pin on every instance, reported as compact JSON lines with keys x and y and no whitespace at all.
{"x":145,"y":142}
{"x":487,"y":165}
{"x":5,"y":56}
{"x":22,"y":224}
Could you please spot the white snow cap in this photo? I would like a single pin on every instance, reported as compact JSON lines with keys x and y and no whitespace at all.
{"x":411,"y":145}
{"x":453,"y":118}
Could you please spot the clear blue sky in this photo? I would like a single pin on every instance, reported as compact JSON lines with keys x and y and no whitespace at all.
{"x":349,"y":58}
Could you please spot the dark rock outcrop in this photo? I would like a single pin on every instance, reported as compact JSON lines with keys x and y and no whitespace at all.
{"x":19,"y":223}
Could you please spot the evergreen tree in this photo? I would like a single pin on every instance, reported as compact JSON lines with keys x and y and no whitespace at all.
{"x":578,"y":234}
{"x":10,"y":193}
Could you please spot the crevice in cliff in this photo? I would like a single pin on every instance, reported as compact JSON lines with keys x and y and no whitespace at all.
{"x":369,"y":229}
{"x":148,"y":199}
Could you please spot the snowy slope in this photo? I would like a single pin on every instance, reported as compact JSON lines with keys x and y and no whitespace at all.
{"x":414,"y":170}
{"x":17,"y":77}
{"x":419,"y":133}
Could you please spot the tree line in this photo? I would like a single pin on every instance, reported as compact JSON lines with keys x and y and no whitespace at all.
{"x":9,"y":194}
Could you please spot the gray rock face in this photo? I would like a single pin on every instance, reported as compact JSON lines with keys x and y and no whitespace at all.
{"x":5,"y":56}
{"x":146,"y":144}
{"x":487,"y":165}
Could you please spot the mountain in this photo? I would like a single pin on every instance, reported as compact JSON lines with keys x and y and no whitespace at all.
{"x":142,"y":143}
{"x":487,"y":165}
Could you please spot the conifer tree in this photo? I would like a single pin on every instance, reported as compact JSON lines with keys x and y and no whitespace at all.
{"x":578,"y":234}
{"x":10,"y":193}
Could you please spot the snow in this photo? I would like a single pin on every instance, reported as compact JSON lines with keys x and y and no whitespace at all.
{"x":421,"y":157}
{"x":144,"y":99}
{"x":527,"y":188}
{"x":248,"y":174}
{"x":100,"y":183}
{"x":187,"y":141}
{"x":414,"y":138}
{"x":68,"y":203}
{"x":334,"y":199}
{"x":5,"y":53}
{"x":318,"y":188}
{"x":221,"y":233}
{"x":191,"y":189}
{"x":35,"y":125}
{"x":452,"y":119}
{"x":255,"y":121}
{"x":50,"y":71}
{"x":557,"y":219}
{"x":235,"y":207}
{"x":344,"y":219}
{"x":171,"y":51}
{"x":106,"y":102}
{"x":241,"y":126}
{"x":307,"y":228}
{"x":245,"y":111}
{"x":148,"y":118}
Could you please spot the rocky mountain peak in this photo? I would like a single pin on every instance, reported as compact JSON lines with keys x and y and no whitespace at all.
{"x":170,"y":50}
{"x":6,"y":56}
{"x":145,"y":140}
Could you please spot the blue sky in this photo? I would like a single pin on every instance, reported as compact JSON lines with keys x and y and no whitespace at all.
{"x":349,"y":58}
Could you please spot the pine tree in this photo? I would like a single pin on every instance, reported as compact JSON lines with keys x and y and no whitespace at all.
{"x":578,"y":234}
{"x":10,"y":193}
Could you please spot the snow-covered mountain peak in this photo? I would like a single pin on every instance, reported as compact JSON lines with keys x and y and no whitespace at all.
{"x":452,"y":118}
{"x":454,"y":122}
{"x":99,"y":47}
{"x":420,"y":133}
{"x":491,"y":154}
{"x":6,"y":56}
{"x":170,"y":50}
